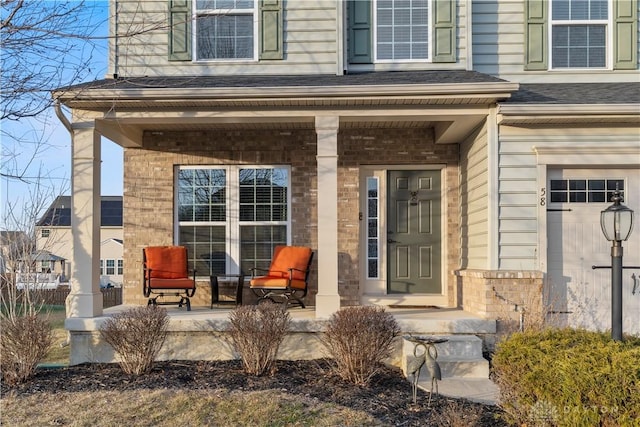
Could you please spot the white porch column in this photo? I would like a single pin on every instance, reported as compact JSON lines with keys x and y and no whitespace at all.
{"x":328,"y":299}
{"x":85,"y":298}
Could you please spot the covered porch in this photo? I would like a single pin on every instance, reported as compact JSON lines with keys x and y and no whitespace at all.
{"x":332,"y":119}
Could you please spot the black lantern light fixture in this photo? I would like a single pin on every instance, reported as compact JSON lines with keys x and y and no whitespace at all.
{"x":616,"y":222}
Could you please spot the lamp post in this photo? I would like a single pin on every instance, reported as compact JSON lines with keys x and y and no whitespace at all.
{"x":616,"y":222}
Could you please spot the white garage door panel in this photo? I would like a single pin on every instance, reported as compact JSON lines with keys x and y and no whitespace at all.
{"x":580,"y":295}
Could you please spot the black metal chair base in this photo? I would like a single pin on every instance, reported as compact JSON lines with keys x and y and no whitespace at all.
{"x":183,"y":301}
{"x":287,"y":298}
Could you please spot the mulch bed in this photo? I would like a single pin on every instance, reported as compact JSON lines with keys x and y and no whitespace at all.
{"x":388,"y":397}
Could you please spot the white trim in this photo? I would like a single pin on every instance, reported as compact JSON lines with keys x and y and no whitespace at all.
{"x":493,"y":189}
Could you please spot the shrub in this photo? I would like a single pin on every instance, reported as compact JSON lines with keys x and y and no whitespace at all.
{"x":568,"y":377}
{"x":257,"y":332}
{"x":137,"y":335}
{"x":25,"y":340}
{"x":359,"y":339}
{"x":25,"y":334}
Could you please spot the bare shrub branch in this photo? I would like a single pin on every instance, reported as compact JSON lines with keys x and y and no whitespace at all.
{"x":359,"y":339}
{"x":137,"y":335}
{"x":25,"y":340}
{"x":257,"y":332}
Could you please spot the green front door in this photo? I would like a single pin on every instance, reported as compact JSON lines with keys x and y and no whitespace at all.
{"x":414,"y":232}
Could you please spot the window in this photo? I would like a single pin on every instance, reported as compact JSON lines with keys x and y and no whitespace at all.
{"x":373,"y":225}
{"x":102,"y":267}
{"x":579,"y":33}
{"x":111,"y":267}
{"x":402,"y":30}
{"x":225,"y":29}
{"x":584,"y":190}
{"x":45,"y":266}
{"x":120,"y":267}
{"x":231,"y":218}
{"x":45,"y":233}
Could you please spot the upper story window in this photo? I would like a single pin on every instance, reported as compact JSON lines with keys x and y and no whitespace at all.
{"x":45,"y":233}
{"x":579,"y":33}
{"x":402,"y":30}
{"x":230,"y":218}
{"x":225,"y":29}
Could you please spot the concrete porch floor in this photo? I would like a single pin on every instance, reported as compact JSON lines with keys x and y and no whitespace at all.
{"x":200,"y":334}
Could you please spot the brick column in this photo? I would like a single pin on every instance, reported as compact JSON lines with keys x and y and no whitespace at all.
{"x":85,"y":298}
{"x":327,"y":299}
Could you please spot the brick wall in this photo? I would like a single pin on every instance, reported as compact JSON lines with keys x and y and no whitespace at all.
{"x":505,"y":296}
{"x":149,"y":186}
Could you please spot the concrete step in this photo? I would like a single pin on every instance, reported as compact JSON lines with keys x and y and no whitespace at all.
{"x":460,"y":356}
{"x":481,"y":390}
{"x":467,"y":347}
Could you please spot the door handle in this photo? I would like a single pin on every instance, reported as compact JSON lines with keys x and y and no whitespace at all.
{"x":391,"y":241}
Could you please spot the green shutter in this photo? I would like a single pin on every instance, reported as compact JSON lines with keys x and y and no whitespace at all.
{"x":271,"y":29}
{"x":444,"y":31}
{"x":179,"y":30}
{"x":535,"y":55}
{"x":625,"y":34}
{"x":359,"y":19}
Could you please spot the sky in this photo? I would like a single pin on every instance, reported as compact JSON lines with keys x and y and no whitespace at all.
{"x":53,"y":159}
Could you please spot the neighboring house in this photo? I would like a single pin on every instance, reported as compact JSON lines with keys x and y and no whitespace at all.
{"x":14,"y":245}
{"x":449,"y":153}
{"x":54,"y":236}
{"x":111,"y":263}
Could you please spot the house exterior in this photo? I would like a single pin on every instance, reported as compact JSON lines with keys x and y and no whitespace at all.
{"x":55,"y":240}
{"x":432,"y":153}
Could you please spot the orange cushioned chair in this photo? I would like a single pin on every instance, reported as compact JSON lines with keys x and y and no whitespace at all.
{"x":165,"y":273}
{"x":287,"y":277}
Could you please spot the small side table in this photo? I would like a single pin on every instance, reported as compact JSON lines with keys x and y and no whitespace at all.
{"x":215,"y":289}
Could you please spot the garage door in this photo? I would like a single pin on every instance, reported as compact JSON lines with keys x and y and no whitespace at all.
{"x":580,"y":296}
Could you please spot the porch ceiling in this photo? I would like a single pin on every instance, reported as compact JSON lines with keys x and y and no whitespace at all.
{"x":448,"y":126}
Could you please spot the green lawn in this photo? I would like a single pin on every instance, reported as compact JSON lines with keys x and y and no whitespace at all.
{"x":58,"y":354}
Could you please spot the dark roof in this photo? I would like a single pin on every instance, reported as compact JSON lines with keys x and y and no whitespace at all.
{"x":59,"y":213}
{"x":355,"y":79}
{"x":576,"y":93}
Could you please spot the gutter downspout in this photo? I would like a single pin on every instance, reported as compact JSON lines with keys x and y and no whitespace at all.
{"x":63,"y":118}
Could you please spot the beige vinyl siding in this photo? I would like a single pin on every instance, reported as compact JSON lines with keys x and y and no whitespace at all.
{"x":309,"y":43}
{"x":498,"y":44}
{"x":517,"y":204}
{"x":474,"y":200}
